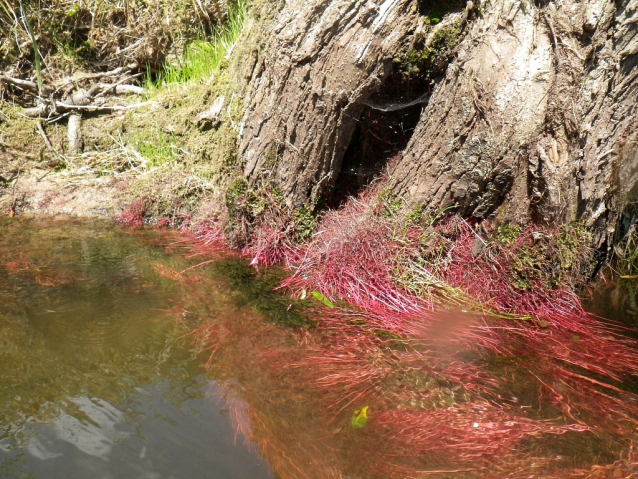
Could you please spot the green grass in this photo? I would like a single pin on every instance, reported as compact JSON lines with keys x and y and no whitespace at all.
{"x":158,"y":149}
{"x":202,"y":58}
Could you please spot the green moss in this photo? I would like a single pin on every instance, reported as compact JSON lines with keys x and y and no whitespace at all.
{"x":305,"y":223}
{"x":157,"y":147}
{"x":563,"y":257}
{"x":574,"y":246}
{"x":247,"y":205}
{"x":237,"y":188}
{"x":387,"y":203}
{"x":381,"y":334}
{"x":236,"y":202}
{"x":533,"y":265}
{"x":507,"y":234}
{"x":416,"y":215}
{"x":423,"y":62}
{"x":271,"y":154}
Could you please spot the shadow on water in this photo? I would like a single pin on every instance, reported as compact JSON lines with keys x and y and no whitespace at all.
{"x":255,"y":288}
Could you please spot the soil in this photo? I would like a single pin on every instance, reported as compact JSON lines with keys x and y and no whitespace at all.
{"x":56,"y":193}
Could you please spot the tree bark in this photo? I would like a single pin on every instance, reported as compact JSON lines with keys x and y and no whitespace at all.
{"x":535,"y":118}
{"x":325,"y":58}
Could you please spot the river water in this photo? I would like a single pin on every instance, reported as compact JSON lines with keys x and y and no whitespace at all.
{"x":96,"y":378}
{"x":125,"y":355}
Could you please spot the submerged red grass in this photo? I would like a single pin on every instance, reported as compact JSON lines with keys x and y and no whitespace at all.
{"x":434,"y":383}
{"x":133,"y":214}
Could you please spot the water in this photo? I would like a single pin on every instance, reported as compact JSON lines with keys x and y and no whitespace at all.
{"x":96,"y":378}
{"x":122,"y":355}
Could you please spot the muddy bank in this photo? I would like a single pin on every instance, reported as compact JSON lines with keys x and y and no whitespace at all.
{"x":37,"y":190}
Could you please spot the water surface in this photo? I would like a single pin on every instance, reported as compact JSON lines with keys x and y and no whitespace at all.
{"x":96,"y":376}
{"x":127,"y":354}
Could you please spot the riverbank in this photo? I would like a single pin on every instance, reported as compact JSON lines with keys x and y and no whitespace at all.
{"x":422,"y":316}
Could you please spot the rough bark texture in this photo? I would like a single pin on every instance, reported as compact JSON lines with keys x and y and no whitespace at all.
{"x":325,"y":58}
{"x":535,"y":118}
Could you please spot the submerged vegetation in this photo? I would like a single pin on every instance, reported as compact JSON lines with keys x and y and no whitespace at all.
{"x":409,"y":326}
{"x":425,"y":329}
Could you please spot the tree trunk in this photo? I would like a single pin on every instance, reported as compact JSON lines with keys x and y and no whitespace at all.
{"x":534,"y":118}
{"x":326,"y":57}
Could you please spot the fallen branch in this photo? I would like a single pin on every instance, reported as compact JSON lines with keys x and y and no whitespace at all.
{"x":22,"y":84}
{"x":39,"y":111}
{"x":54,"y":100}
{"x":70,"y":107}
{"x":114,"y":72}
{"x":106,"y":88}
{"x":44,"y":136}
{"x":93,"y":76}
{"x":75,"y":134}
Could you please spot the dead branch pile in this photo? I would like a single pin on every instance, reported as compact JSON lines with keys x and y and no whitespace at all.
{"x":62,"y":59}
{"x":105,"y":35}
{"x":72,"y":94}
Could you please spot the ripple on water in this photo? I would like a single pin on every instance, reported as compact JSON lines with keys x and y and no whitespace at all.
{"x":96,"y":377}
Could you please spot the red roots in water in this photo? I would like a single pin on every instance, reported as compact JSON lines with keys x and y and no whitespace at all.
{"x":163,"y":223}
{"x":133,"y":215}
{"x":13,"y":265}
{"x":575,"y":361}
{"x":469,"y":433}
{"x":439,"y":382}
{"x":271,"y":245}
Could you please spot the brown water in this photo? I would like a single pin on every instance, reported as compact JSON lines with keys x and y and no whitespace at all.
{"x":122,"y":358}
{"x":96,"y":378}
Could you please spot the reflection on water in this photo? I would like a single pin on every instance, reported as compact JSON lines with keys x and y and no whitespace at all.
{"x":617,"y":300}
{"x":96,"y":378}
{"x":119,"y":360}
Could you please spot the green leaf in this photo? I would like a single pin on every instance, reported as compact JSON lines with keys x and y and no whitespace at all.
{"x":320,"y":297}
{"x":359,"y":418}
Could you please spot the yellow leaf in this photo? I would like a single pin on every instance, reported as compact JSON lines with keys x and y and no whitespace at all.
{"x":359,"y":418}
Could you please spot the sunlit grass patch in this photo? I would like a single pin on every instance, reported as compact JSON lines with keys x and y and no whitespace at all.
{"x":158,"y":149}
{"x":201,"y":58}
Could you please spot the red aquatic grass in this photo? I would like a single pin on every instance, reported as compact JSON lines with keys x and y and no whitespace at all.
{"x":238,"y":412}
{"x":133,"y":214}
{"x":205,"y":238}
{"x":167,"y":272}
{"x":271,"y":244}
{"x":571,"y":360}
{"x":208,"y":234}
{"x":470,"y":433}
{"x":16,"y":265}
{"x":489,"y":276}
{"x":163,"y":222}
{"x":349,"y":368}
{"x":352,"y":258}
